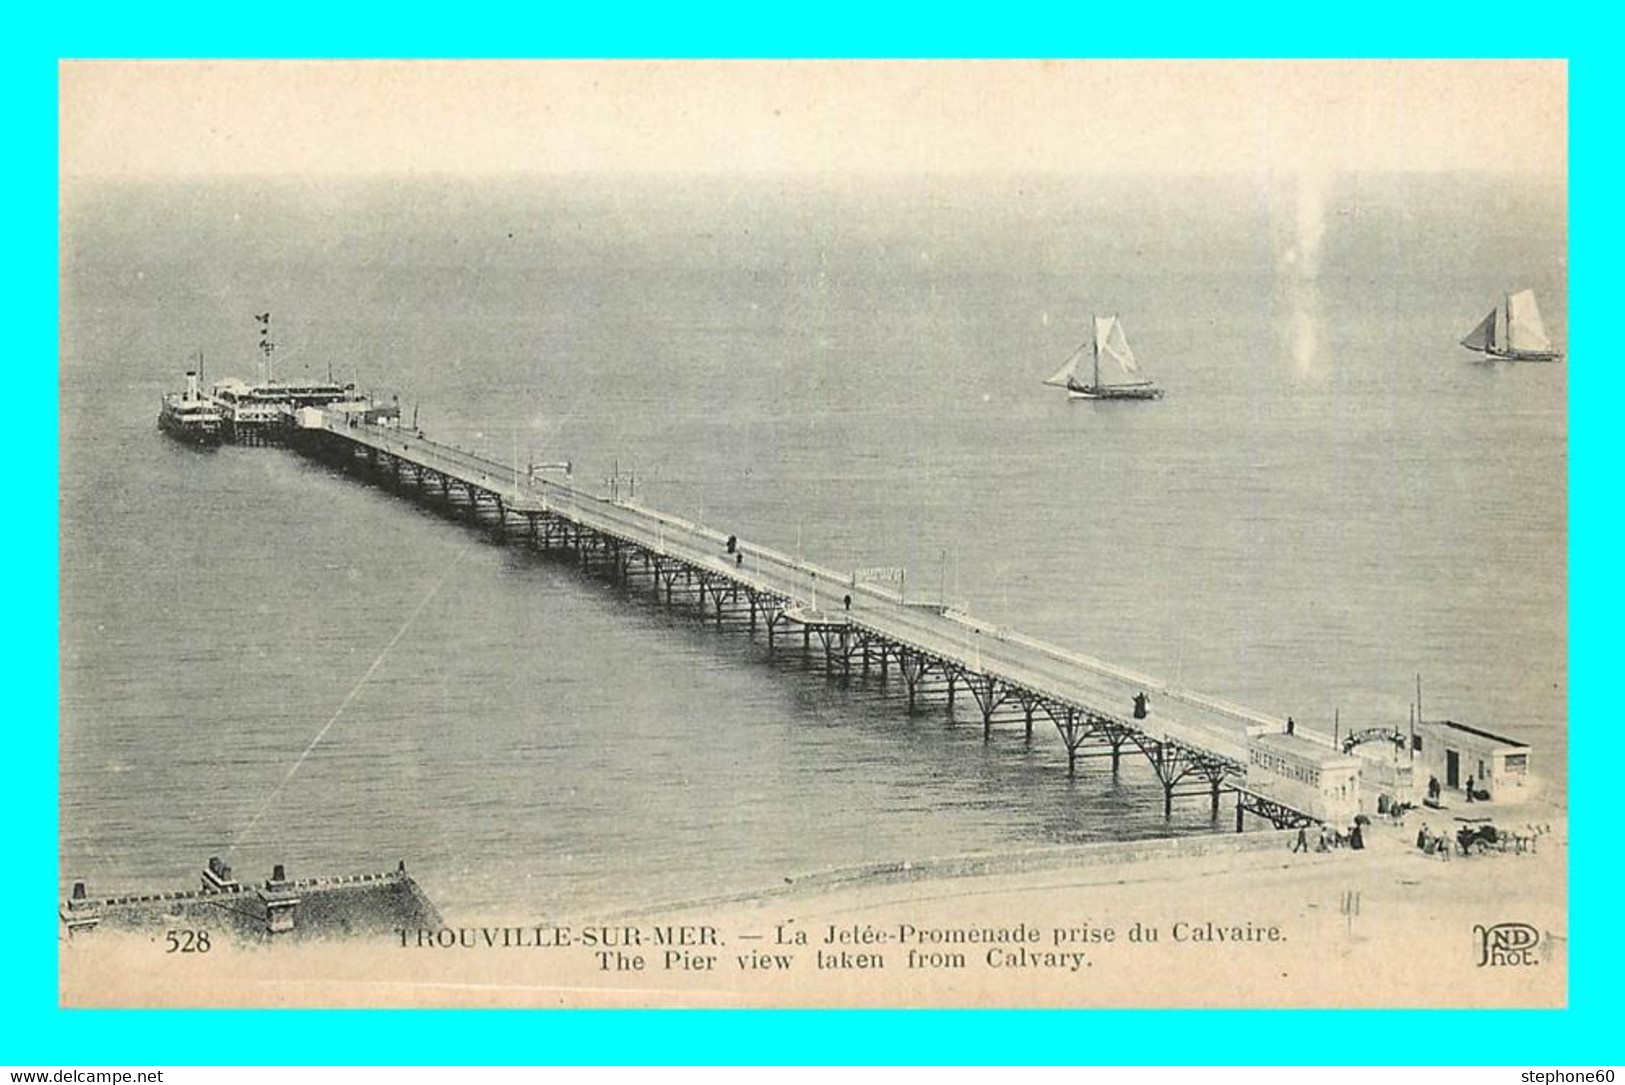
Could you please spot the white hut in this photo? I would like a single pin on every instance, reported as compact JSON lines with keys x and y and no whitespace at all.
{"x":1453,"y":753}
{"x":1305,"y":775}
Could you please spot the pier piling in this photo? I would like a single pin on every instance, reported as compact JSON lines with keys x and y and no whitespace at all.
{"x":934,"y":650}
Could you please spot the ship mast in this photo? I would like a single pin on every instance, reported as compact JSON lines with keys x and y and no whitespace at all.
{"x":1097,"y":356}
{"x":266,"y":346}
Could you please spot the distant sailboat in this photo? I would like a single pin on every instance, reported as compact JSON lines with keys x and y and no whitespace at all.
{"x":1513,"y":331}
{"x":1110,"y":342}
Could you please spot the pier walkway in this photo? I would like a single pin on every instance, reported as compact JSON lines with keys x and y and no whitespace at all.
{"x":1196,"y":745}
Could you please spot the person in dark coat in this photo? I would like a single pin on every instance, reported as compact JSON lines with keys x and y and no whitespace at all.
{"x":1302,"y":843}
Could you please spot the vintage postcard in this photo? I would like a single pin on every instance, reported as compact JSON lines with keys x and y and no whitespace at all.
{"x":791,"y":533}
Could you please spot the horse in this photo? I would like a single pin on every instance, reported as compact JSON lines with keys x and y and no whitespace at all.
{"x":1529,"y":839}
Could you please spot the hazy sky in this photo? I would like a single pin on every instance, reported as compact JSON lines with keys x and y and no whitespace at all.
{"x":368,"y":117}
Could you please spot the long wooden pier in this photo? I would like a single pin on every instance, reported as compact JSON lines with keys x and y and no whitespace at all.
{"x":1196,"y":745}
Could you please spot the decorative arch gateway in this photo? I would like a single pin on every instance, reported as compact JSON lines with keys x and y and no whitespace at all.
{"x":1373,"y":734}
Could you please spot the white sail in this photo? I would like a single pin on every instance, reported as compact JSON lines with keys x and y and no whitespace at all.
{"x":1114,"y":344}
{"x":1110,"y":345}
{"x":1103,"y":332}
{"x":1525,"y":332}
{"x":1481,"y":337}
{"x":1063,"y":375}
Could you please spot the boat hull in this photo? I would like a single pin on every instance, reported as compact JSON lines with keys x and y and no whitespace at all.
{"x":1519,"y":355}
{"x":206,"y":436}
{"x":1114,"y":393}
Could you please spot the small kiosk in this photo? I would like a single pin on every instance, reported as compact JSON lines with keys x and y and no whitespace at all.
{"x":1305,"y":775}
{"x":1453,"y":753}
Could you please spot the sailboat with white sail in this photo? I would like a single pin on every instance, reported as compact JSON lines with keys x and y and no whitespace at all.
{"x":1513,"y":331}
{"x":1121,"y":379}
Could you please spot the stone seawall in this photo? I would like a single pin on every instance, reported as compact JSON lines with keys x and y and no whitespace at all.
{"x":308,"y":908}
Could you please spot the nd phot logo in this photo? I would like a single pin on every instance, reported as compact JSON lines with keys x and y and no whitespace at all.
{"x":1507,"y":944}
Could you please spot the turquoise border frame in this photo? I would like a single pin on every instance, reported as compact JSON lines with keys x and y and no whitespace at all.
{"x":37,"y":1032}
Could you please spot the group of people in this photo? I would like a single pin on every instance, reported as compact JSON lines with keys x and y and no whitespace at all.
{"x":1428,"y":844}
{"x":1330,"y":838}
{"x":1474,"y":794}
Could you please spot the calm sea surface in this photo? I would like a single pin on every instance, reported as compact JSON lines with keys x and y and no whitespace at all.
{"x":1332,"y":499}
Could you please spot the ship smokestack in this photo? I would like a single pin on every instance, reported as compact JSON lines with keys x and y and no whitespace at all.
{"x":191,"y":384}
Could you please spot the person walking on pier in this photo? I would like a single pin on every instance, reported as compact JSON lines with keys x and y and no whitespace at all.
{"x":1302,"y":843}
{"x":848,"y":602}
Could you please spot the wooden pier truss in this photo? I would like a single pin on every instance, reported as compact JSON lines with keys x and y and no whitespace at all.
{"x":926,"y":653}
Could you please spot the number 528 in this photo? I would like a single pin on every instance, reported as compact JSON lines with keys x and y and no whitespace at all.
{"x":186,"y":941}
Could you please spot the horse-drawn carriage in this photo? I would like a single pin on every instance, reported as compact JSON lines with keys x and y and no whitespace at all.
{"x":1477,"y":836}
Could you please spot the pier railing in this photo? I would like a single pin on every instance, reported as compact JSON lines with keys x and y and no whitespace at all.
{"x":970,"y":646}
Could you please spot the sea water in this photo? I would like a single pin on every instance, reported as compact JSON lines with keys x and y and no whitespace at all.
{"x":267,"y":661}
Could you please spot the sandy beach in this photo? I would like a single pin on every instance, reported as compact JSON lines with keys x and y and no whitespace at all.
{"x":1219,"y":921}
